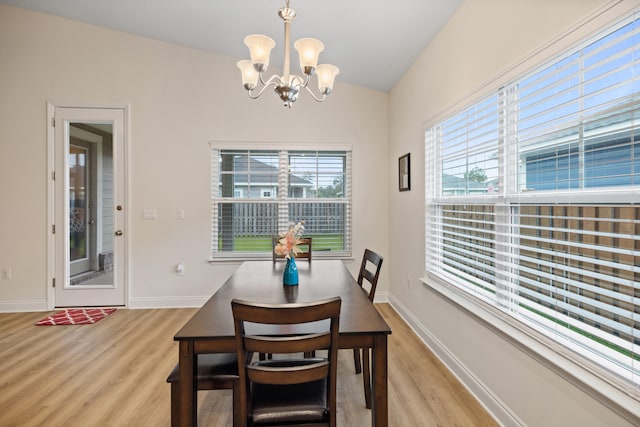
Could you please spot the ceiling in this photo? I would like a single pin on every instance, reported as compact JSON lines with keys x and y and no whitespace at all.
{"x":373,"y":42}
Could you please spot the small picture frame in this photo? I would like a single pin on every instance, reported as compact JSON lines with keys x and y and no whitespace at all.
{"x":404,"y":172}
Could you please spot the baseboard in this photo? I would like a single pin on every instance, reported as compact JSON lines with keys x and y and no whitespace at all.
{"x":134,"y":303}
{"x":381,"y":297}
{"x":23,"y":306}
{"x":500,"y":412}
{"x":190,"y":302}
{"x":167,"y":302}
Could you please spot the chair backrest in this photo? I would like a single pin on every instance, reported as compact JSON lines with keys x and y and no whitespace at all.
{"x":370,"y":271}
{"x":304,"y":245}
{"x":305,"y":248}
{"x":310,"y":370}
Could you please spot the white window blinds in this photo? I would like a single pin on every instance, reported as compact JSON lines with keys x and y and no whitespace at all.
{"x":257,"y":194}
{"x":532,"y":200}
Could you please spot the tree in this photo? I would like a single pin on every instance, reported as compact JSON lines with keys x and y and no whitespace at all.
{"x":476,"y":175}
{"x":332,"y":191}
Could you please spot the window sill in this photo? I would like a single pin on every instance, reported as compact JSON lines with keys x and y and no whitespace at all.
{"x":236,"y":259}
{"x":621,"y":397}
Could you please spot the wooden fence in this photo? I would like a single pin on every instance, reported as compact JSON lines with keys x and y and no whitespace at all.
{"x":261,"y":219}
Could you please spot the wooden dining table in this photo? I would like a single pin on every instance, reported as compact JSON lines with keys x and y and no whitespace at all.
{"x":211,"y":328}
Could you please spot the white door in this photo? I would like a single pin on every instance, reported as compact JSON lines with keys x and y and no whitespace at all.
{"x":89,"y":184}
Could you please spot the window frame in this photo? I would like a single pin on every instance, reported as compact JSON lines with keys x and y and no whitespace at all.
{"x":281,"y":198}
{"x":507,"y":196}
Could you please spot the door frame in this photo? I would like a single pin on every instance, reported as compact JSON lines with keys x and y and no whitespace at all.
{"x":51,"y":194}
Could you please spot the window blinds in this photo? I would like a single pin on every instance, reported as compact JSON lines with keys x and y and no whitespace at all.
{"x":532,"y":200}
{"x":257,"y":194}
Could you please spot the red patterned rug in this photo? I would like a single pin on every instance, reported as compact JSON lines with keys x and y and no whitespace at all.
{"x":76,"y":316}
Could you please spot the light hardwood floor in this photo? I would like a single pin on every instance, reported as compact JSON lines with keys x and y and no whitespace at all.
{"x":113,"y":374}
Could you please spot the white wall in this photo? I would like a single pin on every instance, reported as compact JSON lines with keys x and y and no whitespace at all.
{"x":180,"y":99}
{"x":484,"y":43}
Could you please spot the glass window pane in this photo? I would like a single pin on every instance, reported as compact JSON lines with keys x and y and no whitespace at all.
{"x":249,"y":209}
{"x":314,"y":174}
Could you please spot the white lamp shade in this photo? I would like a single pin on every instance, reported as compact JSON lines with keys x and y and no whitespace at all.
{"x":260,"y":49}
{"x":249,"y":74}
{"x":326,"y":76}
{"x":308,"y":51}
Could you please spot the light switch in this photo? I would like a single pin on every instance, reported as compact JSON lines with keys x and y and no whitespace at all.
{"x":149,"y":214}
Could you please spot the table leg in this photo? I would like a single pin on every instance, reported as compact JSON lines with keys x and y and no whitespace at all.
{"x":188,"y":402}
{"x":379,"y":391}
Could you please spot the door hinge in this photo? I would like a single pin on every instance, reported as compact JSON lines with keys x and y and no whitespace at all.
{"x":53,"y":175}
{"x":53,"y":122}
{"x":53,"y":229}
{"x":54,"y":282}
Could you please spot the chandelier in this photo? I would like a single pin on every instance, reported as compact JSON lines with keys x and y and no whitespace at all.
{"x":288,"y":85}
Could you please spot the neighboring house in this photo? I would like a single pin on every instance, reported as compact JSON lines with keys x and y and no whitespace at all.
{"x":256,"y":179}
{"x":454,"y":185}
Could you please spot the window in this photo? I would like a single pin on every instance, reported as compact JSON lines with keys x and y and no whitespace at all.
{"x":258,"y":193}
{"x":533,"y":200}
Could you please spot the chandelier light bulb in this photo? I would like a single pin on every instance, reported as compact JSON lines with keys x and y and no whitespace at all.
{"x":260,"y":50}
{"x":308,"y":52}
{"x":249,"y":74}
{"x":326,"y":77}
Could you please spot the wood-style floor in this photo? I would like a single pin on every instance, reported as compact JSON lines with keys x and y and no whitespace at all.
{"x":113,"y":374}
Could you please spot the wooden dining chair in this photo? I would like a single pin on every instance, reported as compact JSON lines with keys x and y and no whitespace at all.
{"x":304,"y":245}
{"x":288,"y":389}
{"x":368,"y":281}
{"x":217,"y":371}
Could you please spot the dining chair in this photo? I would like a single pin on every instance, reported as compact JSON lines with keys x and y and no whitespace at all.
{"x":368,"y":281}
{"x":288,"y":389}
{"x":217,"y":371}
{"x":304,"y":245}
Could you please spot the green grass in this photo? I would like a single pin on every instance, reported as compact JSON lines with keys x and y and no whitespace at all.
{"x":606,"y":343}
{"x":621,"y":350}
{"x":326,"y":242}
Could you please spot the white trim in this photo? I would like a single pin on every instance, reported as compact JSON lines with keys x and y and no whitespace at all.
{"x":381,"y":297}
{"x":239,"y":258}
{"x":483,"y":394}
{"x":22,"y":306}
{"x":227,"y":144}
{"x":602,"y":17}
{"x":572,"y":367}
{"x":51,"y":186}
{"x":50,"y":139}
{"x":167,"y":302}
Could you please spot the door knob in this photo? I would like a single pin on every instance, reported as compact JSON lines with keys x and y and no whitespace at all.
{"x":119,"y":233}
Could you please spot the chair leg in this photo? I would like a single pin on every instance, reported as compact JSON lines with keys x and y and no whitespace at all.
{"x":356,"y":360}
{"x":237,"y":412}
{"x":366,"y":377}
{"x":175,"y":404}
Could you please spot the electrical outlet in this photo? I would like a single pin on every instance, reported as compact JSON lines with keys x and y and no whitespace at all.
{"x":409,"y":282}
{"x":5,"y":273}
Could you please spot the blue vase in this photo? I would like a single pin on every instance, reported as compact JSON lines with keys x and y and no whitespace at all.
{"x":290,"y":275}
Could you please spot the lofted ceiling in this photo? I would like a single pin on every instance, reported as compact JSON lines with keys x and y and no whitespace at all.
{"x":373,"y":42}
